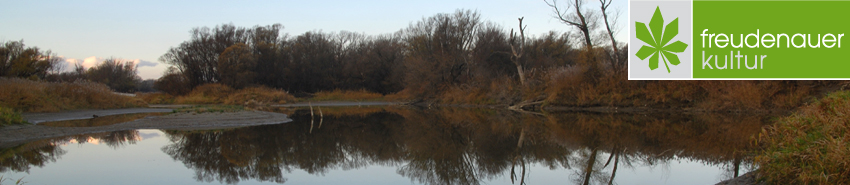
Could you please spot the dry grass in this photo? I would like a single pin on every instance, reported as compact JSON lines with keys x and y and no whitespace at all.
{"x":404,"y":95}
{"x":465,"y":95}
{"x":499,"y":91}
{"x":259,"y":96}
{"x":568,"y":86}
{"x":34,"y":96}
{"x":811,"y":146}
{"x":156,"y":98}
{"x":350,"y":95}
{"x":206,"y":94}
{"x":222,"y":94}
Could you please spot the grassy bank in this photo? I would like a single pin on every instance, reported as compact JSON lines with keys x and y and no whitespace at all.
{"x":574,"y":87}
{"x":37,"y":96}
{"x":10,"y":117}
{"x":222,"y":94}
{"x":347,"y":95}
{"x":811,"y":146}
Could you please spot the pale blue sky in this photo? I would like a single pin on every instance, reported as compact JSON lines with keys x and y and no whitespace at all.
{"x":145,"y":30}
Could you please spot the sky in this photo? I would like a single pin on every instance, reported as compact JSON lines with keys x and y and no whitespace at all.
{"x":89,"y":31}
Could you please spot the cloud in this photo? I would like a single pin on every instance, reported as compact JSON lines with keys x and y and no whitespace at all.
{"x":145,"y":63}
{"x":94,"y":61}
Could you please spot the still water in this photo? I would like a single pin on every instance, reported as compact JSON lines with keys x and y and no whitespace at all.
{"x":405,"y":145}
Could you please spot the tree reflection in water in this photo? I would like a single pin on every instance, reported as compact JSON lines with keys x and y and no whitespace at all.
{"x":38,"y":153}
{"x":463,"y":146}
{"x":439,"y":146}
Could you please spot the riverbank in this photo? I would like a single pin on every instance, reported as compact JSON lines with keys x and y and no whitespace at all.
{"x":810,"y":146}
{"x":40,"y":96}
{"x":35,"y":118}
{"x":16,"y":134}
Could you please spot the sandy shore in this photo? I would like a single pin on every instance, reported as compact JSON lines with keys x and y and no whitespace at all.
{"x":36,"y":118}
{"x":16,"y":134}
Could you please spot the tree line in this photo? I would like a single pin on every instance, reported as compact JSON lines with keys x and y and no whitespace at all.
{"x":19,"y":61}
{"x":427,"y":58}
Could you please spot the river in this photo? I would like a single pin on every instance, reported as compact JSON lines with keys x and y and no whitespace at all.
{"x":405,"y":145}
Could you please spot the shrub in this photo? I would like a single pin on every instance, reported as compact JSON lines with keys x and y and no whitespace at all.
{"x":259,"y":95}
{"x":36,"y":96}
{"x":206,"y":94}
{"x":173,"y":82}
{"x":10,"y":117}
{"x":811,"y":146}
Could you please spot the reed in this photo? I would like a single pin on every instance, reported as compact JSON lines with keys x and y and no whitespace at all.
{"x":38,"y":96}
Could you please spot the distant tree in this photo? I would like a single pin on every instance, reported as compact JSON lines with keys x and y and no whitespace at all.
{"x":548,"y":51}
{"x":431,"y":56}
{"x":118,"y":75}
{"x":314,"y":65}
{"x":439,"y":50}
{"x":492,"y":54}
{"x":78,"y":72}
{"x":197,"y":58}
{"x":173,"y":82}
{"x":373,"y":63}
{"x":236,"y":66}
{"x":16,"y":60}
{"x":269,"y":48}
{"x":146,"y":86}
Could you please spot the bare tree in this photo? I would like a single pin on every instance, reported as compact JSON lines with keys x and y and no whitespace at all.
{"x":604,"y":5}
{"x":517,"y":50}
{"x":581,"y":19}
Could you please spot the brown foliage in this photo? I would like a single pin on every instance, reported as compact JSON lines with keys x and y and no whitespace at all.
{"x":34,"y":96}
{"x":455,"y":58}
{"x":236,"y":65}
{"x":173,"y":83}
{"x":439,"y":52}
{"x":118,"y":75}
{"x":259,"y":96}
{"x":16,"y":60}
{"x":222,"y":94}
{"x":206,"y":94}
{"x":571,"y":86}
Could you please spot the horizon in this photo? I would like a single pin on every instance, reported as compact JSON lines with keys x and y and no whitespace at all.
{"x":90,"y":31}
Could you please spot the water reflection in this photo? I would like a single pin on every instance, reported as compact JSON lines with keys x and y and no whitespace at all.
{"x":463,"y":146}
{"x":36,"y":154}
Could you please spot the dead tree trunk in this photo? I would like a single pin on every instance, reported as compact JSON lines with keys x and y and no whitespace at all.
{"x":517,"y":51}
{"x":616,"y":59}
{"x":580,"y":20}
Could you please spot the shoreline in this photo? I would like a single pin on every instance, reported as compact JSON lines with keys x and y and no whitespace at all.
{"x":16,"y":134}
{"x":35,"y":118}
